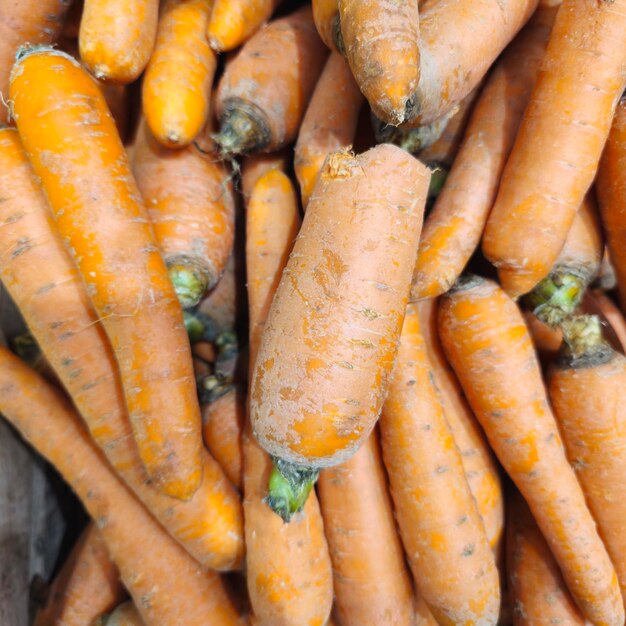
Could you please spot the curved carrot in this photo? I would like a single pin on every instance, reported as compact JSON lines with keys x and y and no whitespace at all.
{"x":116,"y":37}
{"x":453,"y":566}
{"x":39,"y":274}
{"x":192,"y":210}
{"x":329,"y":123}
{"x":541,"y":189}
{"x":263,"y":92}
{"x":330,"y":340}
{"x":73,"y":145}
{"x":381,"y":42}
{"x":177,"y":85}
{"x":453,"y":229}
{"x":596,"y":302}
{"x":487,"y":342}
{"x":148,"y":560}
{"x":124,"y":615}
{"x":372,"y":584}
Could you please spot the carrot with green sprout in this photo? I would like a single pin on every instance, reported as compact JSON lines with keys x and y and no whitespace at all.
{"x":255,"y":165}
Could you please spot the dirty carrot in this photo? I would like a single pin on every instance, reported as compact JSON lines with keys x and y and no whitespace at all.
{"x":596,"y":302}
{"x":73,"y":145}
{"x":484,"y":335}
{"x":125,"y":614}
{"x":331,"y":336}
{"x":263,"y":93}
{"x":326,"y":18}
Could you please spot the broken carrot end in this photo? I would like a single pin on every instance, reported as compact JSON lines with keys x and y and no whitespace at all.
{"x":191,"y":280}
{"x":289,"y":487}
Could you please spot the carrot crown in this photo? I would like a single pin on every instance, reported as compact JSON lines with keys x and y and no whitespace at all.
{"x":289,"y":488}
{"x":584,"y":344}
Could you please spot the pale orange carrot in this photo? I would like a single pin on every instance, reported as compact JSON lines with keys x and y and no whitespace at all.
{"x":255,"y":165}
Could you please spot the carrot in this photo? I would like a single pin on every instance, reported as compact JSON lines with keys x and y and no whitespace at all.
{"x":453,"y":566}
{"x":39,"y":274}
{"x":124,"y":615}
{"x":73,"y":145}
{"x":541,"y":190}
{"x":538,"y":590}
{"x":116,"y":37}
{"x":586,"y":386}
{"x":192,"y":209}
{"x":598,"y":303}
{"x":381,"y":43}
{"x":453,"y":229}
{"x":486,"y":340}
{"x":263,"y":93}
{"x":255,"y":165}
{"x":330,"y":341}
{"x":87,"y":585}
{"x":221,"y":305}
{"x":288,"y":567}
{"x":372,"y":585}
{"x":326,"y":18}
{"x":329,"y":123}
{"x":546,"y":339}
{"x":32,"y":21}
{"x":163,"y":580}
{"x":480,"y":467}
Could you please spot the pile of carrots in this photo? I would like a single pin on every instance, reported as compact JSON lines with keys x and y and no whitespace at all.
{"x":323,"y":306}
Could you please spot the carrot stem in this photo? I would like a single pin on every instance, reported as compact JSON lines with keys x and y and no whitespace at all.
{"x":289,"y":487}
{"x":242,"y":130}
{"x":189,"y":280}
{"x":584,"y":340}
{"x":199,"y":327}
{"x":556,"y":296}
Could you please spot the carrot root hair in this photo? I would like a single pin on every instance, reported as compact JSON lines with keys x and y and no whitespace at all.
{"x":242,"y":129}
{"x":191,"y":278}
{"x":289,"y":487}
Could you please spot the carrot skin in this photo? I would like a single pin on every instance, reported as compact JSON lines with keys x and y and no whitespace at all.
{"x":124,"y":615}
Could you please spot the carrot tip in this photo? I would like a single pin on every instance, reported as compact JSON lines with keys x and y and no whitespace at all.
{"x":191,"y":279}
{"x":242,"y":128}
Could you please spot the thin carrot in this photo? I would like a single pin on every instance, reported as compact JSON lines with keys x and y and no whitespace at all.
{"x":372,"y":584}
{"x":453,"y":566}
{"x":484,"y":335}
{"x":544,"y":183}
{"x":75,"y":150}
{"x":263,"y":93}
{"x":124,"y":615}
{"x":190,"y":203}
{"x":39,"y":274}
{"x":163,"y":580}
{"x":453,"y":229}
{"x":116,"y":37}
{"x":330,"y":341}
{"x":596,"y":302}
{"x":329,"y":123}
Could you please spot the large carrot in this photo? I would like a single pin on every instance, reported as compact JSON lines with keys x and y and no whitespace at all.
{"x":288,"y":567}
{"x":444,"y":538}
{"x":39,"y":274}
{"x":75,"y":150}
{"x":125,"y":614}
{"x":372,"y":584}
{"x":326,"y":18}
{"x":331,"y":337}
{"x":453,"y":229}
{"x":544,"y":183}
{"x":177,"y":84}
{"x":329,"y":123}
{"x":381,"y":42}
{"x":116,"y":37}
{"x":163,"y":580}
{"x":484,"y":335}
{"x":190,"y":202}
{"x":263,"y":93}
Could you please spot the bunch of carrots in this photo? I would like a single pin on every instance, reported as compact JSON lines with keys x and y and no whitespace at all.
{"x":324,"y":305}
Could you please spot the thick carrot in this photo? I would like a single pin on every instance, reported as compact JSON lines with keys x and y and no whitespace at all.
{"x":75,"y":150}
{"x":326,"y":18}
{"x":163,"y":580}
{"x":539,"y":594}
{"x":263,"y":93}
{"x":372,"y":584}
{"x":484,"y":335}
{"x":331,"y":337}
{"x":596,"y":302}
{"x":87,"y":585}
{"x":124,"y":615}
{"x":190,"y":203}
{"x":39,"y":274}
{"x":329,"y":123}
{"x":381,"y":42}
{"x":288,"y":566}
{"x":586,"y":387}
{"x":453,"y":566}
{"x":544,"y":183}
{"x":479,"y":464}
{"x":453,"y":229}
{"x":116,"y":37}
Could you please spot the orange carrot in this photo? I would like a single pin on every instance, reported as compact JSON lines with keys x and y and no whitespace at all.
{"x":124,"y":615}
{"x":544,"y":183}
{"x":330,"y":341}
{"x":606,"y":277}
{"x":598,"y":303}
{"x":39,"y":274}
{"x":329,"y":123}
{"x":484,"y":335}
{"x":75,"y":150}
{"x":163,"y":580}
{"x":192,"y":209}
{"x":116,"y":37}
{"x":326,"y":18}
{"x":221,"y":305}
{"x":546,"y":339}
{"x":445,"y":541}
{"x":263,"y":93}
{"x":255,"y":165}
